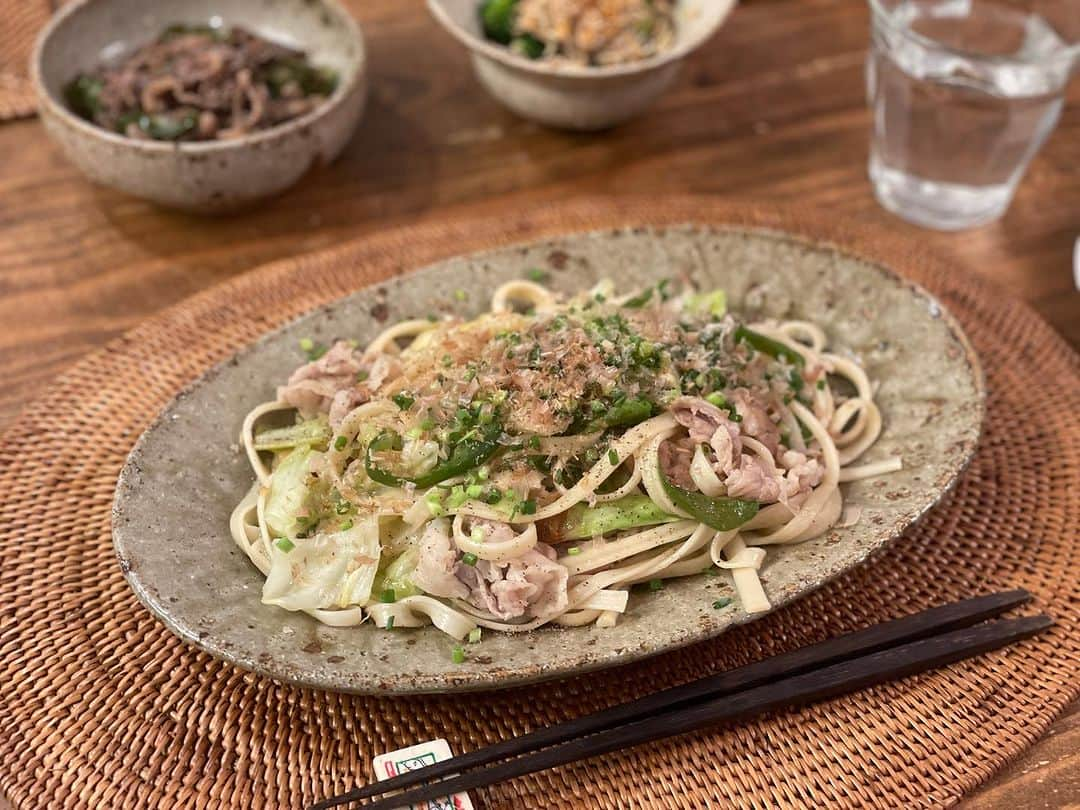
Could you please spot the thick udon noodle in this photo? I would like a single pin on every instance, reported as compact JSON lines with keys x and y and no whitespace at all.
{"x":601,"y":571}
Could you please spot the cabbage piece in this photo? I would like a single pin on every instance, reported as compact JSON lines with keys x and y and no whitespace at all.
{"x":328,"y":570}
{"x":289,"y":493}
{"x":397,"y":576}
{"x":312,"y":432}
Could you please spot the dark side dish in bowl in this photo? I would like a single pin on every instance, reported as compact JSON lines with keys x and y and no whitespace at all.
{"x":583,"y":32}
{"x":201,"y":83}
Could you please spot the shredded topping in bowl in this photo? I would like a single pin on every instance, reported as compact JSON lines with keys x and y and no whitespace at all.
{"x":199,"y":83}
{"x":584,"y":32}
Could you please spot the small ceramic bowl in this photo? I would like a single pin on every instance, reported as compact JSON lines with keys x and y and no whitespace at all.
{"x":571,"y":96}
{"x":209,"y":176}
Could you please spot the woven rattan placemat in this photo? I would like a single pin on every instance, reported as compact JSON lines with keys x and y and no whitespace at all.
{"x":102,"y":707}
{"x":20,"y":20}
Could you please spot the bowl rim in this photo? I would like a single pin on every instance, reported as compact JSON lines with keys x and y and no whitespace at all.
{"x":502,"y":54}
{"x":48,"y":103}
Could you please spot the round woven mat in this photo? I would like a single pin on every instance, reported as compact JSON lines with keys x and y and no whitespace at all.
{"x":102,"y":707}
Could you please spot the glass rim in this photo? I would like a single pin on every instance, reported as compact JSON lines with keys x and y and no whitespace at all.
{"x":881,"y":15}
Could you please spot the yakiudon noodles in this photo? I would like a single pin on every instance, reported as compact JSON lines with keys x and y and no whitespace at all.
{"x":528,"y":466}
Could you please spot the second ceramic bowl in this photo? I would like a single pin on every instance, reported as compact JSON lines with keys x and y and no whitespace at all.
{"x":571,"y":96}
{"x":208,"y":176}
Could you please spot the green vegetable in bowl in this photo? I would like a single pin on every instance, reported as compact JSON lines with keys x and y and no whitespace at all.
{"x":82,"y":95}
{"x":528,"y":46}
{"x":313,"y":81}
{"x":497,"y":19}
{"x":177,"y":30}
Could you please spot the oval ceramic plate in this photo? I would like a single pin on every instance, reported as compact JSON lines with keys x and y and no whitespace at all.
{"x":186,"y":473}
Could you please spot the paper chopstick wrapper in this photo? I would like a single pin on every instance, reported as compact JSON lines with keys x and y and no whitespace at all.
{"x":413,"y":758}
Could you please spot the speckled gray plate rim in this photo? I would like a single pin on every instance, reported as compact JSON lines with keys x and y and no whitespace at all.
{"x":186,"y":473}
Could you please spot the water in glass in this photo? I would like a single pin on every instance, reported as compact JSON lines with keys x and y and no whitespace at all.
{"x":963,"y":95}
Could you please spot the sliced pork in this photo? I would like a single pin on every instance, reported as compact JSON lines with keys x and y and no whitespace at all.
{"x":531,"y":585}
{"x":435,"y":571}
{"x":312,"y":388}
{"x":753,"y":481}
{"x":707,"y":424}
{"x":756,"y":422}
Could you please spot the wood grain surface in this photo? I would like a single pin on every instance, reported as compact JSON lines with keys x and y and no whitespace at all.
{"x":773,"y":108}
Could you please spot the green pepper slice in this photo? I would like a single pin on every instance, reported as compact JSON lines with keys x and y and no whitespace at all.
{"x":628,"y":512}
{"x":627,"y":413}
{"x":722,"y":514}
{"x":773,"y":348}
{"x":465,"y":456}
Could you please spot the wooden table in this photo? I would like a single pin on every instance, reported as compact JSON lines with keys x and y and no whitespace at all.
{"x":772,"y":108}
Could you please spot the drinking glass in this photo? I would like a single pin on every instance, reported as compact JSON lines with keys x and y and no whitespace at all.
{"x":963,"y":93}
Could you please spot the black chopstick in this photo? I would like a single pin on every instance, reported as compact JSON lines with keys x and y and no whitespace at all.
{"x":908,"y":628}
{"x":817,"y":684}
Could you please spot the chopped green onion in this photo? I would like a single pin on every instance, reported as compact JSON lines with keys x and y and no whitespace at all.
{"x":434,"y":502}
{"x":474,"y":491}
{"x":717,"y":399}
{"x":537,"y":275}
{"x":388,"y":596}
{"x":482,"y":474}
{"x":573,"y":551}
{"x":477,"y":535}
{"x":656,"y":584}
{"x":307,"y":344}
{"x":361,"y":376}
{"x":645,"y":350}
{"x":456,"y":498}
{"x":285,"y":544}
{"x":613,"y":456}
{"x":389,"y":622}
{"x":457,"y":655}
{"x":403,"y":401}
{"x":460,"y":295}
{"x":528,"y":507}
{"x":348,"y":524}
{"x":492,"y":496}
{"x":474,"y":635}
{"x":427,"y":423}
{"x":722,"y":603}
{"x":341,"y":442}
{"x":821,"y":384}
{"x":469,"y":558}
{"x":413,"y":433}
